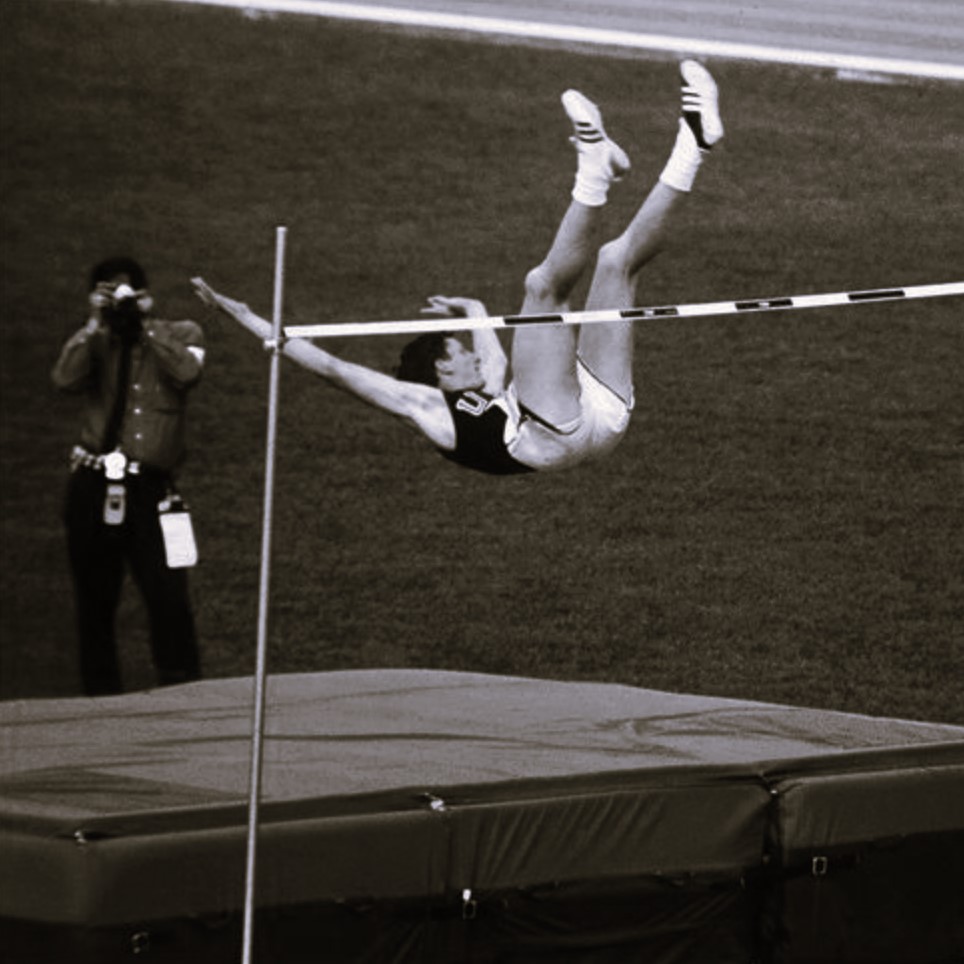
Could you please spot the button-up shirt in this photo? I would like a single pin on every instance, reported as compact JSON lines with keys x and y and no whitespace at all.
{"x":166,"y":362}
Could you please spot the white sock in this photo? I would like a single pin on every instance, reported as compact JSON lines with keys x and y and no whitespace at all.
{"x":684,"y":160}
{"x":593,"y":177}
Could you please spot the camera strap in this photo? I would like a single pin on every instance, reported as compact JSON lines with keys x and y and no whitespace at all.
{"x":116,"y":417}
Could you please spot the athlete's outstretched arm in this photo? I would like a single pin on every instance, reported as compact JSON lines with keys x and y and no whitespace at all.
{"x":422,"y":406}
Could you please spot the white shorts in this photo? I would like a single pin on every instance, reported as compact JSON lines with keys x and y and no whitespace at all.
{"x":594,"y":433}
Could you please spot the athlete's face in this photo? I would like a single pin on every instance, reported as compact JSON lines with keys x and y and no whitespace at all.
{"x":461,"y":370}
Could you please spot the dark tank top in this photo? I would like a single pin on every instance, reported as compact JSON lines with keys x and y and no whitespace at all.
{"x":480,"y":434}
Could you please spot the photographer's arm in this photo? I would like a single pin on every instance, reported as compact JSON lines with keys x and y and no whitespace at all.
{"x":179,"y":349}
{"x":75,"y":365}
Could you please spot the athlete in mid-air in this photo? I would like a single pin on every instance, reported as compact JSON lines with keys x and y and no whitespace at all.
{"x":570,"y":395}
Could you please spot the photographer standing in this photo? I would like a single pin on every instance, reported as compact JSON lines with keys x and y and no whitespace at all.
{"x":122,"y":505}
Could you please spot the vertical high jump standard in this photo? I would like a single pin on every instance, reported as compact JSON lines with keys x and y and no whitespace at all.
{"x":275,"y":345}
{"x":260,"y":676}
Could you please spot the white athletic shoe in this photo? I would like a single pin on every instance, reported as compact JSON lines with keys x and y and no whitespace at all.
{"x":701,"y":104}
{"x":590,"y":137}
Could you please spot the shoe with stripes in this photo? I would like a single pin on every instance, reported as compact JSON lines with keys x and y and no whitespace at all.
{"x":701,"y":104}
{"x":590,"y":137}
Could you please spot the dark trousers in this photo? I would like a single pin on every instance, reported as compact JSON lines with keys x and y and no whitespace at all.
{"x":98,"y":554}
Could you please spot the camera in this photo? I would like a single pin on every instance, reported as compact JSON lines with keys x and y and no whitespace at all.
{"x":123,"y":313}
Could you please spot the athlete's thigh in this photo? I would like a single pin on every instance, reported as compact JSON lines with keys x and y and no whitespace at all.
{"x":544,"y":365}
{"x":607,"y":351}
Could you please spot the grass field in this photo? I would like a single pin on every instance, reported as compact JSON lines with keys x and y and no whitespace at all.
{"x":784,"y":521}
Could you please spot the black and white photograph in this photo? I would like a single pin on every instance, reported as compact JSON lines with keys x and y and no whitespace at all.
{"x":482,"y":482}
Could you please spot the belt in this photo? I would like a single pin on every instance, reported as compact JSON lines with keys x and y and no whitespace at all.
{"x":115,"y":465}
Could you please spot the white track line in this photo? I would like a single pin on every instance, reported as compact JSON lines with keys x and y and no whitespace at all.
{"x":587,"y":35}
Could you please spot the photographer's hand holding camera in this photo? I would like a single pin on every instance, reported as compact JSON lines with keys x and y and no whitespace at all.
{"x":134,"y":371}
{"x":120,"y":308}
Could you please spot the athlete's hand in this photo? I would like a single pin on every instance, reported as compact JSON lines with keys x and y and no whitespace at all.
{"x":205,"y":292}
{"x":442,"y":306}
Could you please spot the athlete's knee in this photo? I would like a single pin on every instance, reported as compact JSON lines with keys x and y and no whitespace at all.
{"x":613,"y":260}
{"x":619,"y":262}
{"x":541,"y":288}
{"x":623,"y":257}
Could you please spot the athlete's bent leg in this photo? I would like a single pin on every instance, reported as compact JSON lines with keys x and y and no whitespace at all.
{"x":607,"y":350}
{"x":544,"y":359}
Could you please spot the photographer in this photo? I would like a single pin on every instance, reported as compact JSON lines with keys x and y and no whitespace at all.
{"x":122,"y":505}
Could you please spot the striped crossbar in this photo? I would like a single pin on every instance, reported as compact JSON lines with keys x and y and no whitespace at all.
{"x":744,"y":306}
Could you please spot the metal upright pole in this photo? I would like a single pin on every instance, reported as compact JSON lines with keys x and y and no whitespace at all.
{"x":260,"y":676}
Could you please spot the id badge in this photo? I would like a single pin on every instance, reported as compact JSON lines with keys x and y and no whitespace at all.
{"x":115,"y":504}
{"x":180,"y":546}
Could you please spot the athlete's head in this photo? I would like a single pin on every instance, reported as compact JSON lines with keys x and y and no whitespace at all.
{"x":439,"y":359}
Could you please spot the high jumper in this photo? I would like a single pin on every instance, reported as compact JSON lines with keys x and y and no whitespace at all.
{"x":570,"y":395}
